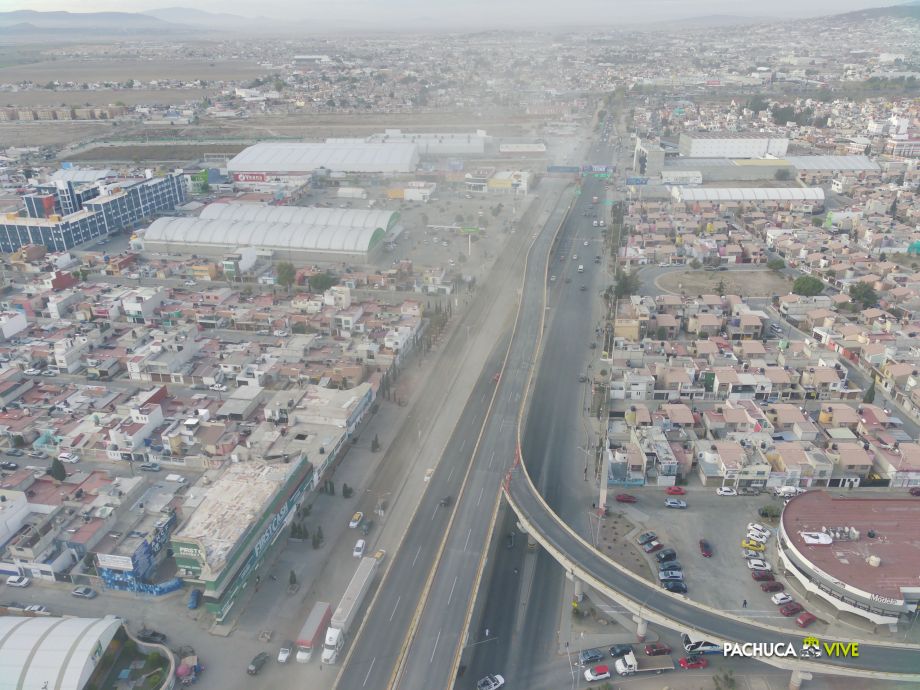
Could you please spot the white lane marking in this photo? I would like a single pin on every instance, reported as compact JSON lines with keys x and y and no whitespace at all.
{"x":436,"y":640}
{"x":492,"y":458}
{"x":463,"y":444}
{"x":450,"y":474}
{"x":480,"y":495}
{"x":371,"y":668}
{"x":395,"y":606}
{"x":416,"y":555}
{"x":451,"y":595}
{"x":468,"y":535}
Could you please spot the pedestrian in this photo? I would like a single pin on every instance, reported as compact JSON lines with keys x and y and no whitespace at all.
{"x":744,"y":604}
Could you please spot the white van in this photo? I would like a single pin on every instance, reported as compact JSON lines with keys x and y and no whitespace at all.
{"x":178,"y":478}
{"x":581,"y":268}
{"x":787,"y":491}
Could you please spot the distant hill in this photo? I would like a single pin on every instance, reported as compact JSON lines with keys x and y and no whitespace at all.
{"x":909,"y":10}
{"x":214,"y":20}
{"x":31,"y":21}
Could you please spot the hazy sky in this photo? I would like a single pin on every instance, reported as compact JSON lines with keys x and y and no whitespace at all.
{"x":469,"y":11}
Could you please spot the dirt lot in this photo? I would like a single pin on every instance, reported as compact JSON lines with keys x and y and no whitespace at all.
{"x":124,"y":68}
{"x":44,"y":97}
{"x":51,"y":133}
{"x":155,"y":153}
{"x":741,"y":282}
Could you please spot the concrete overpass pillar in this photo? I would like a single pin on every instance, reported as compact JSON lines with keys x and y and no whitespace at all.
{"x":798,"y":677}
{"x":641,"y":629}
{"x":579,"y":589}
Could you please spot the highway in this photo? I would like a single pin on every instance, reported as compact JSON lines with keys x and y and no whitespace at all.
{"x":417,"y":618}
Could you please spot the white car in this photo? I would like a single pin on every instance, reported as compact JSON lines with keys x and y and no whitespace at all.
{"x":218,"y":387}
{"x":285,"y":652}
{"x":759,"y":537}
{"x":586,"y":243}
{"x":358,"y":551}
{"x":36,"y":608}
{"x":552,"y":279}
{"x":574,"y":257}
{"x":490,"y":683}
{"x":69,"y":457}
{"x":780,"y":598}
{"x":757,"y":527}
{"x":758,"y":564}
{"x":726,"y":491}
{"x":32,"y":372}
{"x":280,"y":333}
{"x":597,"y":673}
{"x":18,"y":581}
{"x":748,"y":553}
{"x":190,"y":283}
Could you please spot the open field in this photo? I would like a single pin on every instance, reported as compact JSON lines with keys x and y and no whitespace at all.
{"x":52,"y":133}
{"x":154,"y":152}
{"x":37,"y":98}
{"x":124,"y":68}
{"x":744,"y":283}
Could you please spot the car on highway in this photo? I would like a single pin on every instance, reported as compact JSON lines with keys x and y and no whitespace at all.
{"x":601,"y":672}
{"x":18,"y":581}
{"x":651,"y":546}
{"x":9,"y":466}
{"x":589,"y":656}
{"x":781,"y":598}
{"x":358,"y":551}
{"x":726,"y":491}
{"x":675,"y":491}
{"x":805,"y":619}
{"x":793,"y":608}
{"x":657,"y":649}
{"x":762,"y":576}
{"x":492,"y":682}
{"x":219,"y":387}
{"x":151,"y":636}
{"x":759,"y":564}
{"x":379,"y":554}
{"x":674,"y":503}
{"x":84,"y":592}
{"x":752,"y":545}
{"x":665,"y":575}
{"x":693,"y":662}
{"x":620,"y":650}
{"x":666,"y":555}
{"x":356,"y":520}
{"x":675,"y":587}
{"x":552,"y":279}
{"x":258,"y":661}
{"x":705,"y":549}
{"x":625,"y":498}
{"x":285,"y":652}
{"x":574,"y":257}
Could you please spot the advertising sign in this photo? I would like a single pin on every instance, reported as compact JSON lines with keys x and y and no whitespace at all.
{"x":570,"y":169}
{"x":250,"y":177}
{"x":636,"y":180}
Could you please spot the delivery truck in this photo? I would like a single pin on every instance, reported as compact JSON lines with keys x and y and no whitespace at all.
{"x":344,"y":617}
{"x":631,"y":664}
{"x":313,"y":633}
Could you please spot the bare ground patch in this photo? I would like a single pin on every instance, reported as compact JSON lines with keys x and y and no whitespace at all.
{"x":744,"y":283}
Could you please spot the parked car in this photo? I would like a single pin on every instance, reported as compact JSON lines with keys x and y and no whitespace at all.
{"x":761,"y":576}
{"x":705,"y":549}
{"x":772,"y":586}
{"x":601,"y":672}
{"x":645,"y":538}
{"x":693,"y":662}
{"x":805,"y":619}
{"x":671,"y":575}
{"x":151,"y":636}
{"x":750,"y":553}
{"x":356,"y":520}
{"x":752,"y":545}
{"x":675,"y":587}
{"x":281,"y":333}
{"x":791,"y":609}
{"x":620,"y":650}
{"x":674,"y":503}
{"x":219,"y":387}
{"x":726,"y":491}
{"x":257,"y":663}
{"x":652,"y":546}
{"x":757,"y":527}
{"x":625,"y":498}
{"x":781,"y":598}
{"x":666,"y":555}
{"x":69,"y":457}
{"x":759,"y":564}
{"x":18,"y":581}
{"x":84,"y":593}
{"x":15,"y":452}
{"x":149,"y":467}
{"x":758,"y":537}
{"x":32,"y":372}
{"x":670,"y":565}
{"x":37,"y":608}
{"x":589,"y":656}
{"x":36,"y":454}
{"x":657,"y":649}
{"x":10,"y":466}
{"x":675,"y":491}
{"x":285,"y":652}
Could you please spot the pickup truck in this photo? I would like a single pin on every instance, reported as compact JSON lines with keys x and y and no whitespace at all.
{"x":631,"y":664}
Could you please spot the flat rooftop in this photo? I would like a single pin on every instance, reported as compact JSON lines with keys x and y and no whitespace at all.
{"x":894,"y":522}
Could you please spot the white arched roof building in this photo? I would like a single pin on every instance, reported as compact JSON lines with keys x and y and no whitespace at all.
{"x":309,"y":234}
{"x":300,"y":159}
{"x":52,"y":653}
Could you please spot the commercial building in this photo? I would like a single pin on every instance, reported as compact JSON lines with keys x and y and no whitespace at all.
{"x":89,"y":212}
{"x":268,"y":161}
{"x":221,"y":545}
{"x":857,"y":554}
{"x":293,"y":233}
{"x":55,"y":653}
{"x":731,"y":145}
{"x":436,"y":143}
{"x":813,"y":195}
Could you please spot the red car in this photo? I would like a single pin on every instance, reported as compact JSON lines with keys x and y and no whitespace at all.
{"x":791,"y":609}
{"x":693,"y":662}
{"x":705,"y":549}
{"x":625,"y":498}
{"x":675,"y":491}
{"x":762,"y":576}
{"x":652,"y":546}
{"x":657,"y":649}
{"x":805,"y":619}
{"x":772,"y":586}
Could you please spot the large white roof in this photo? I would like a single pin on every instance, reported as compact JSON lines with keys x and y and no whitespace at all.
{"x":47,"y":653}
{"x":832,"y":163}
{"x":339,"y":157}
{"x":81,"y":175}
{"x":300,"y":215}
{"x":231,"y":234}
{"x":748,"y":193}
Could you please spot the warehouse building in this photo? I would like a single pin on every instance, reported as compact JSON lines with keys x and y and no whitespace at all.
{"x":278,"y":162}
{"x":731,"y":145}
{"x":812,"y":195}
{"x":436,"y":143}
{"x":292,"y":233}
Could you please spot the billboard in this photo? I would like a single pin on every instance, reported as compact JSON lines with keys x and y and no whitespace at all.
{"x":113,"y":562}
{"x":569,"y":169}
{"x":250,"y":177}
{"x":636,"y":180}
{"x":601,"y":169}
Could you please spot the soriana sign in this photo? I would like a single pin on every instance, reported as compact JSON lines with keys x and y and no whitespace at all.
{"x":250,"y":177}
